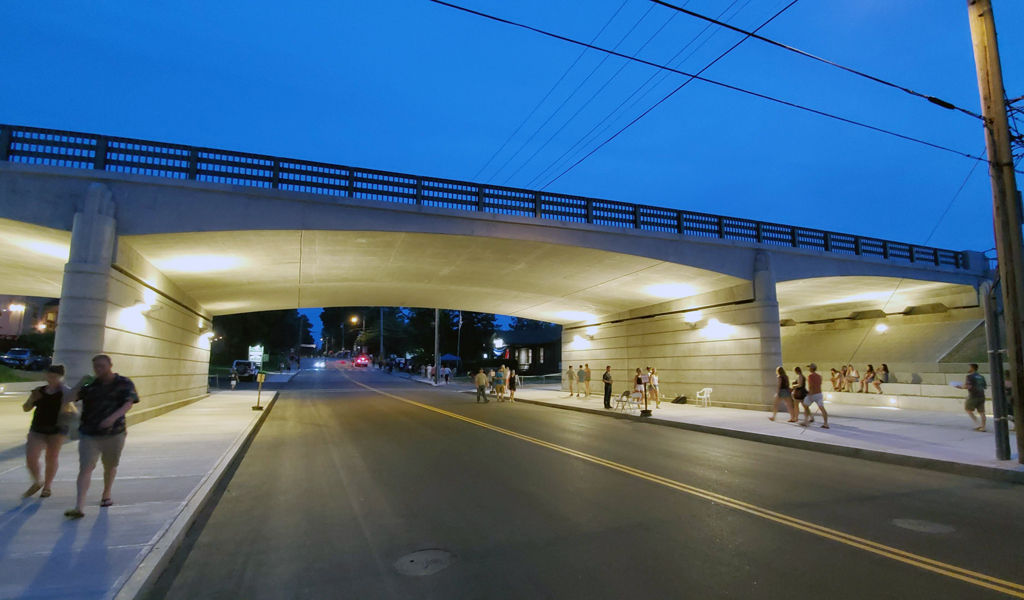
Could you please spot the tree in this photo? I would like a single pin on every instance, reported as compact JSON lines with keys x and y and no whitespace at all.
{"x":521,"y":324}
{"x":278,"y":331}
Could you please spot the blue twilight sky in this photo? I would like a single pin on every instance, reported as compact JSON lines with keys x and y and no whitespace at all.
{"x":408,"y":85}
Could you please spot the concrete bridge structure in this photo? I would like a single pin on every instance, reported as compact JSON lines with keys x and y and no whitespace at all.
{"x":145,"y":242}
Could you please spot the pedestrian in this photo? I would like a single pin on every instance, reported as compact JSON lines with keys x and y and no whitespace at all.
{"x":799,"y":391}
{"x":499,"y":384}
{"x":581,"y":380}
{"x":783,"y":394}
{"x":586,"y":382}
{"x":490,"y":381}
{"x":105,"y":402}
{"x":639,"y":387}
{"x":881,"y":376}
{"x":570,"y":377}
{"x":46,"y":432}
{"x":447,"y":372}
{"x":608,"y":381}
{"x":234,"y":380}
{"x":814,"y":396}
{"x":481,"y":386}
{"x":975,"y":385}
{"x":655,"y":392}
{"x":513,"y":383}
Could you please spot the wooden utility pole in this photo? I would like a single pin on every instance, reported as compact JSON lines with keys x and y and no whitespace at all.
{"x":1009,"y":246}
{"x":437,"y":344}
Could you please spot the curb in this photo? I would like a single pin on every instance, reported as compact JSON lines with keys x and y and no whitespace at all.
{"x":167,"y":541}
{"x":930,"y":464}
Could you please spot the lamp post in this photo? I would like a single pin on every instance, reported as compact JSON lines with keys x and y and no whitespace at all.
{"x":355,"y":319}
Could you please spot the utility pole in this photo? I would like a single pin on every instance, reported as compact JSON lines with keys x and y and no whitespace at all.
{"x":1009,"y":246}
{"x":382,"y":333}
{"x":437,"y":343}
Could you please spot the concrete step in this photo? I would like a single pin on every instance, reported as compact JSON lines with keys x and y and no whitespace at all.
{"x":909,"y":402}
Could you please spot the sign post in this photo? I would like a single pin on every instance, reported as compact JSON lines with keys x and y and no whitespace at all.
{"x":260,"y":377}
{"x":256,"y":355}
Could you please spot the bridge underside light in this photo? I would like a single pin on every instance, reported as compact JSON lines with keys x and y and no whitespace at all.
{"x":52,"y":249}
{"x":579,"y":343}
{"x":199,"y":263}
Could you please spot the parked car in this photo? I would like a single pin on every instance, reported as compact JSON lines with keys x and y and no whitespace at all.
{"x":23,"y":358}
{"x":245,"y":370}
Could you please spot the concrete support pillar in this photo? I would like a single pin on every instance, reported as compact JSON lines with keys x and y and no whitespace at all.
{"x":767,"y":303}
{"x":81,"y":322}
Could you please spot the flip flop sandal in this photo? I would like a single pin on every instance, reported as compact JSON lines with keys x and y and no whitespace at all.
{"x":106,"y":502}
{"x":32,"y":489}
{"x":74,"y":513}
{"x":45,"y":493}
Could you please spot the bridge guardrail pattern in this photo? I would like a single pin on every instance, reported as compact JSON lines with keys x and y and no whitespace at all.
{"x":32,"y":145}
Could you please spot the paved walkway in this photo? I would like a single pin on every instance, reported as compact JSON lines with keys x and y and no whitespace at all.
{"x":165,"y":461}
{"x":914,"y":433}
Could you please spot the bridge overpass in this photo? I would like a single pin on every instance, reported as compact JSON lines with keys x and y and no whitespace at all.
{"x":145,"y":242}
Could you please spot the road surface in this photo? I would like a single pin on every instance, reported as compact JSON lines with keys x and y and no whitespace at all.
{"x":355,"y":470}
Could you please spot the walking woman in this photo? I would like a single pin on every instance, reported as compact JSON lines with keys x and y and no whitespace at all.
{"x":800,"y":392}
{"x":784,"y":394}
{"x":513,"y":383}
{"x":655,"y":393}
{"x":46,"y":433}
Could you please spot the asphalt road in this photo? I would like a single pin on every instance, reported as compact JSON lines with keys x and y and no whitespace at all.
{"x":343,"y":481}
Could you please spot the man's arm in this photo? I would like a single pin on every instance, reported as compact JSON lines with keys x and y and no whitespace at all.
{"x":117,"y":414}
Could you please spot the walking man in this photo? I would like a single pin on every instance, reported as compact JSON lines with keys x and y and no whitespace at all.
{"x":975,"y":385}
{"x":814,"y":396}
{"x":607,"y":379}
{"x":586,"y":370}
{"x":570,"y":376}
{"x":581,"y":378}
{"x":105,"y":402}
{"x":481,"y":386}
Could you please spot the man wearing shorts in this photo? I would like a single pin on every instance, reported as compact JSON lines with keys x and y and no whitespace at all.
{"x":814,"y":396}
{"x":105,"y":401}
{"x":975,"y":385}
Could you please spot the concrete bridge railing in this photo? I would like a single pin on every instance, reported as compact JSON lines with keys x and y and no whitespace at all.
{"x":30,"y":145}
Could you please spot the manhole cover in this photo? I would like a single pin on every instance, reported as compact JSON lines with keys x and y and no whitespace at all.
{"x":923,"y":526}
{"x":424,"y":562}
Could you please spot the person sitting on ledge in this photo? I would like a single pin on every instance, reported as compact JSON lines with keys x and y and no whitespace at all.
{"x":881,"y":376}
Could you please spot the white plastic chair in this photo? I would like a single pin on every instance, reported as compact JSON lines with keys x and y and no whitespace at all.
{"x":704,"y":396}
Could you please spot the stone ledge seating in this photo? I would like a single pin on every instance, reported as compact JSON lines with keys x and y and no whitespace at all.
{"x":914,"y":387}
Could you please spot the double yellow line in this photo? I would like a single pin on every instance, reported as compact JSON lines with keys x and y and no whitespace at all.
{"x":1009,"y":588}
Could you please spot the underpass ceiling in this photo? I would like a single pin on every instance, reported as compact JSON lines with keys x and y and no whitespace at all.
{"x":230,"y":272}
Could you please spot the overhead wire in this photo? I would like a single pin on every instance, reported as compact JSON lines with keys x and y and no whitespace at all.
{"x":569,"y":97}
{"x":704,"y":79}
{"x":931,"y":99}
{"x":550,"y":91}
{"x":589,"y":100}
{"x":669,"y":95}
{"x":661,"y":75}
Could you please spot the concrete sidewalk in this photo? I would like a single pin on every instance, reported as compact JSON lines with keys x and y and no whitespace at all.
{"x":933,"y":440}
{"x":169,"y":466}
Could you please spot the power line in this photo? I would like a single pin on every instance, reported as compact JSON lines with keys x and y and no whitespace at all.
{"x":542,"y":100}
{"x":706,"y":80}
{"x":589,"y":100}
{"x":569,"y":97}
{"x":669,"y":95}
{"x":931,"y":99}
{"x":558,"y":162}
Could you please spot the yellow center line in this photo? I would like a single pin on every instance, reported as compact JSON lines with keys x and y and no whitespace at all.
{"x":980,"y":579}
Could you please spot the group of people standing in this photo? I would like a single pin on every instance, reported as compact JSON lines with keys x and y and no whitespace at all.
{"x":503,"y":383}
{"x":803,"y":391}
{"x":105,"y":400}
{"x":644,"y":383}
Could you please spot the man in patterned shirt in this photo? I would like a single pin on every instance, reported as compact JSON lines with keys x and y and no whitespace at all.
{"x":105,"y":401}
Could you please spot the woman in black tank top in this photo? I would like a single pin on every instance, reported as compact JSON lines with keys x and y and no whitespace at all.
{"x":46,"y":432}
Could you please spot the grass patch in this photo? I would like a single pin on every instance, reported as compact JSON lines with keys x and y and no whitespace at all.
{"x":9,"y":375}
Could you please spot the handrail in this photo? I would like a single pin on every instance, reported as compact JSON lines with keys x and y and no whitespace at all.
{"x":33,"y":145}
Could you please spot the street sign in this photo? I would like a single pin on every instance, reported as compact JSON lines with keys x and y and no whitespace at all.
{"x":256,"y":355}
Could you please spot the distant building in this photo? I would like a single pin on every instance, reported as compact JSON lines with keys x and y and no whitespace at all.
{"x":534,"y":351}
{"x":20,"y":315}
